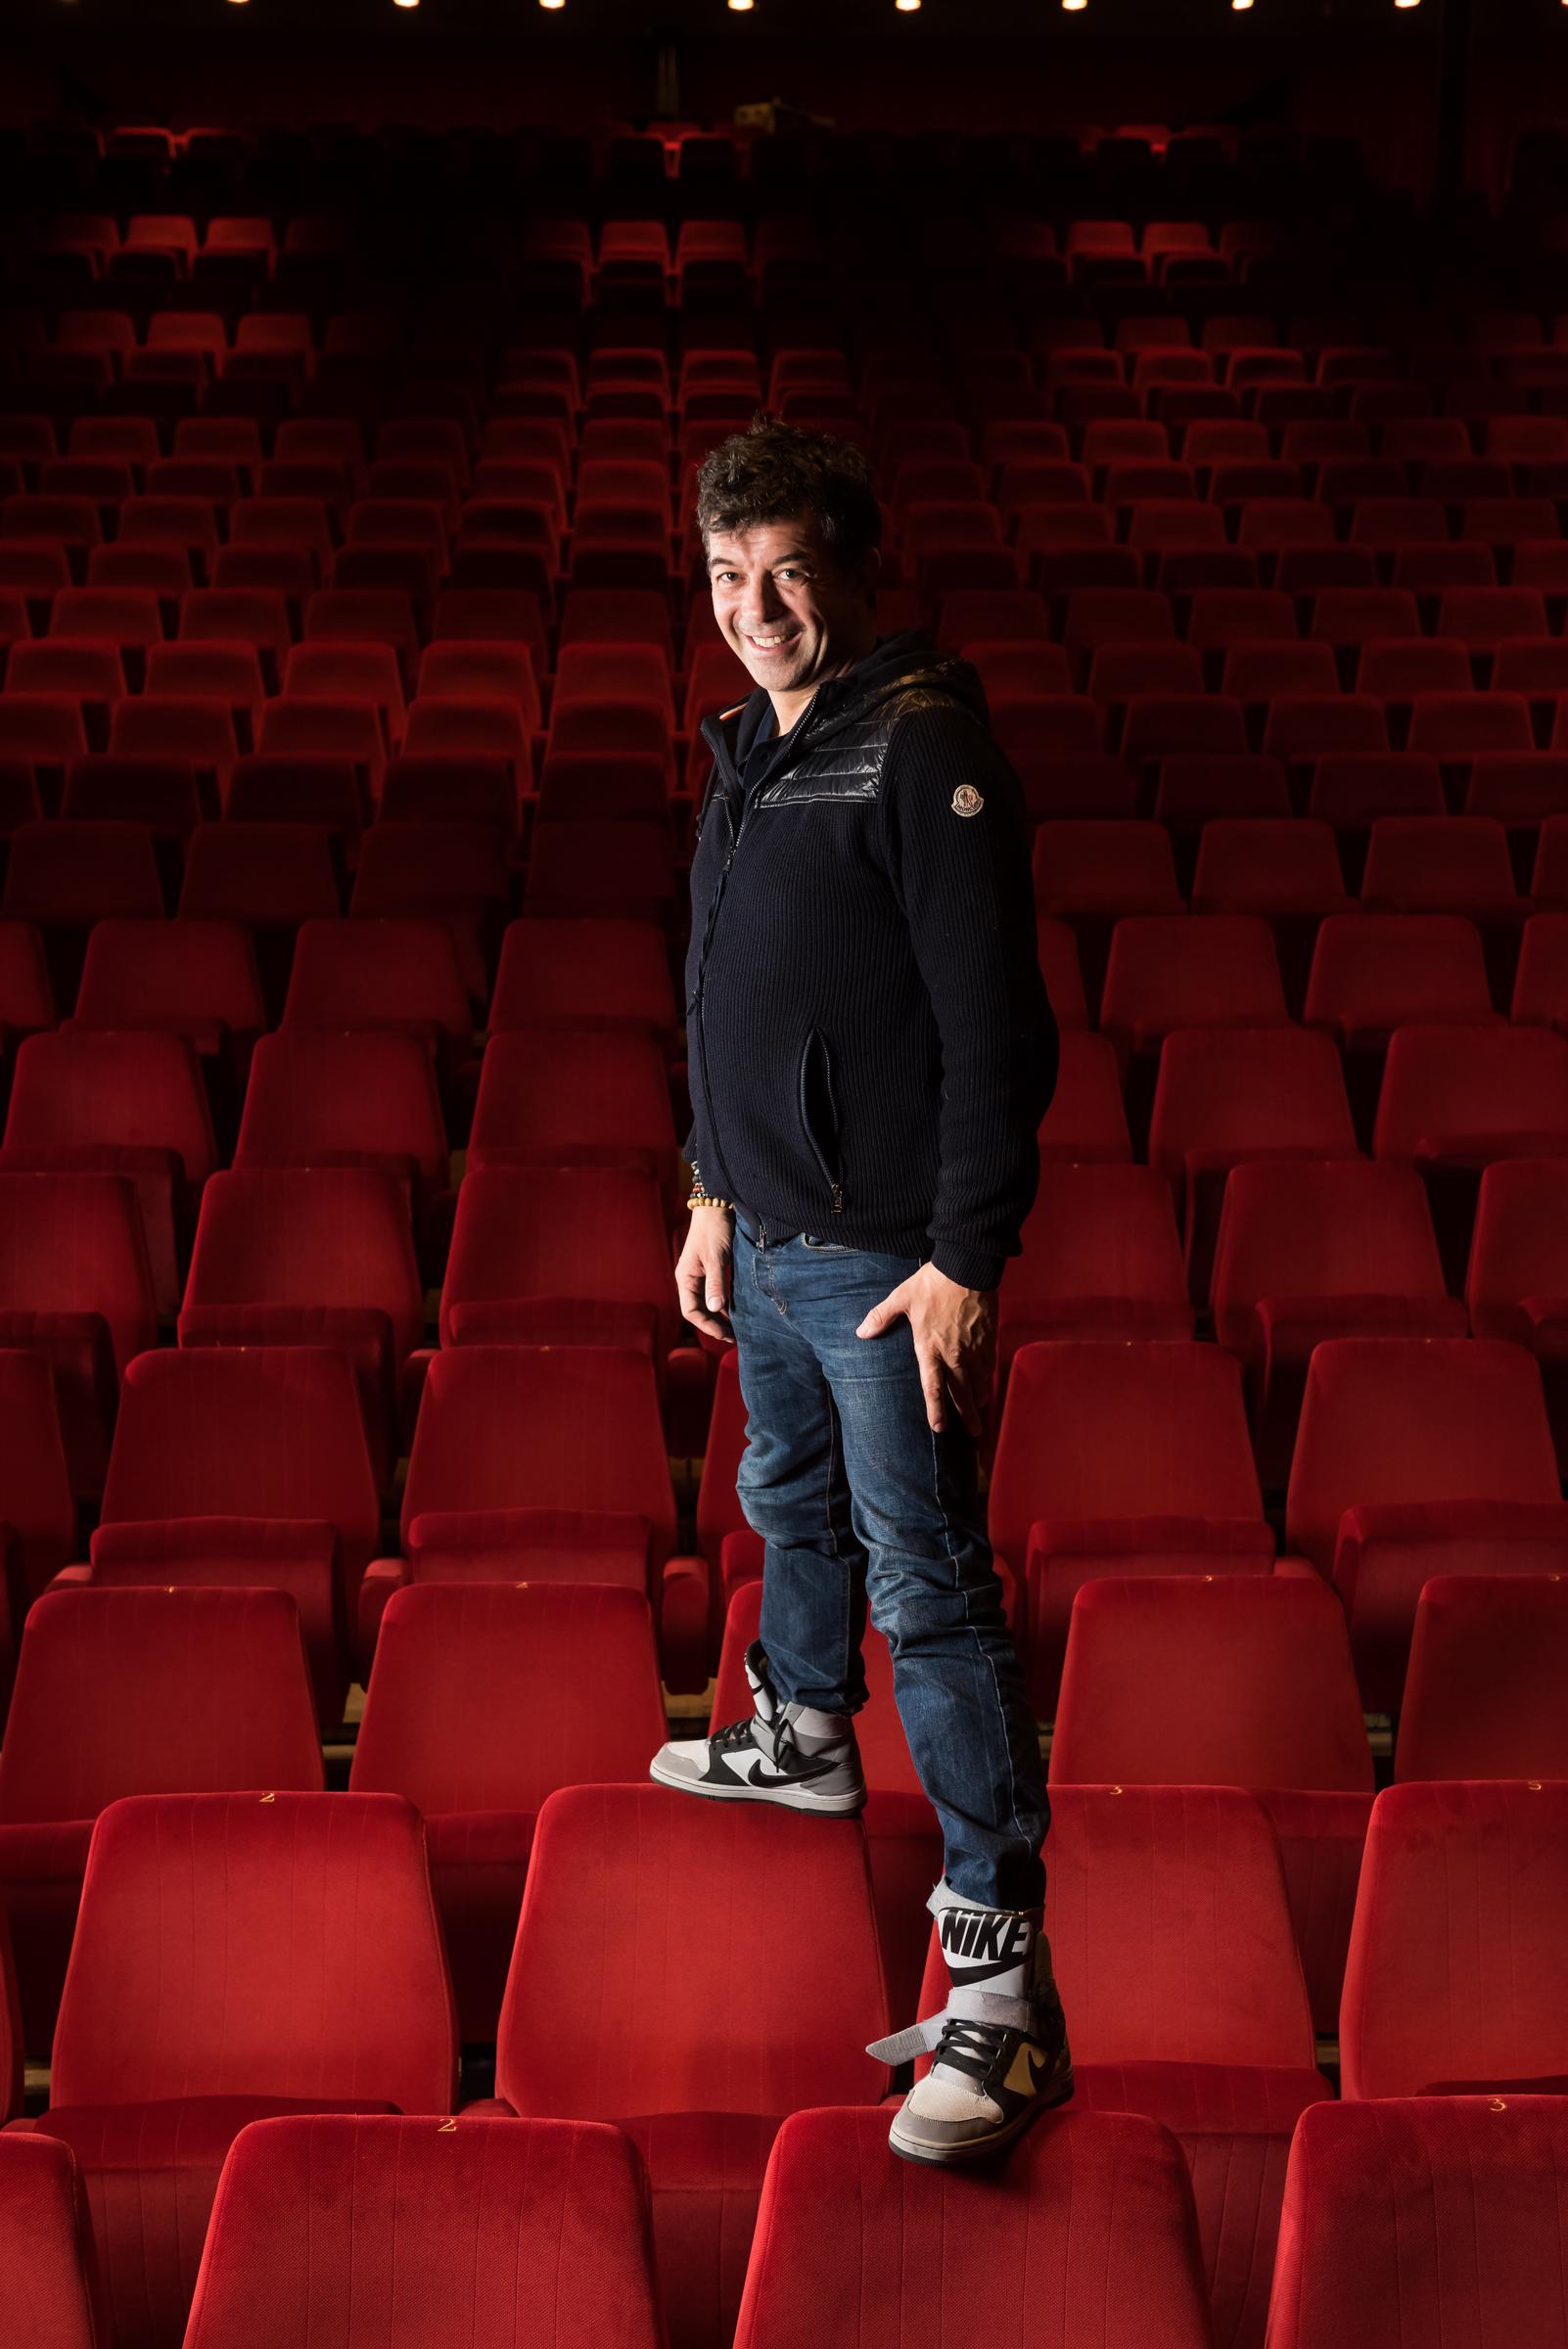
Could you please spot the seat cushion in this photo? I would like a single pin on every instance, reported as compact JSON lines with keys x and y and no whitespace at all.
{"x":150,"y":2172}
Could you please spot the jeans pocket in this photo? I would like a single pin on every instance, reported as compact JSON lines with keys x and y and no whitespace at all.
{"x":818,"y":1247}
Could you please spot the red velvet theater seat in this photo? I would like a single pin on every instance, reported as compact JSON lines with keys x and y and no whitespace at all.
{"x":43,"y":2257}
{"x":1083,"y":2234}
{"x":236,"y":1955}
{"x":344,"y":1097}
{"x":1417,"y":1456}
{"x":1072,"y":1498}
{"x":510,"y":1436}
{"x":902,"y":1833}
{"x":1316,"y":1248}
{"x":198,"y":979}
{"x":1170,"y":1934}
{"x":118,"y":1102}
{"x":311,"y":1256}
{"x":376,"y":975}
{"x":1101,"y":1259}
{"x":1232,"y":1680}
{"x":1483,"y":1693}
{"x":1455,"y":1978}
{"x":1424,"y":2219}
{"x":134,"y":1692}
{"x":561,"y":1255}
{"x":484,"y":1699}
{"x":215,"y":1447}
{"x":75,"y":1287}
{"x":549,"y":1096}
{"x":702,"y":1970}
{"x":1517,"y":1280}
{"x":1171,"y":971}
{"x":388,"y":2234}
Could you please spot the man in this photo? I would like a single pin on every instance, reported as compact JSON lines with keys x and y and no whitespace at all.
{"x":870,"y":1051}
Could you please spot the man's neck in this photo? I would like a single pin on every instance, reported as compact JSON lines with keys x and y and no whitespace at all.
{"x":788,"y":707}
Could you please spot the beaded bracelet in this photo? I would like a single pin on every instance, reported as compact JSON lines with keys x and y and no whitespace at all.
{"x":707,"y":1199}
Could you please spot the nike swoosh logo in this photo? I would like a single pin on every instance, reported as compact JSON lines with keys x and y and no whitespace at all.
{"x":788,"y":1777}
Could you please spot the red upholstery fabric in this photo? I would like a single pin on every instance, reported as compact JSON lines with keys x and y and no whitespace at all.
{"x":1438,"y":1427}
{"x":1425,"y":2220}
{"x":562,"y":1256}
{"x":1101,"y":1258}
{"x":1483,"y":1693}
{"x":76,"y":1287}
{"x":321,"y":1096}
{"x":392,"y":2235}
{"x":385,"y":973}
{"x":855,"y":2244}
{"x":230,"y":1948}
{"x":1069,"y":1500}
{"x":1170,"y":1934}
{"x":483,"y":1700}
{"x":296,"y":1555}
{"x":673,"y":1914}
{"x":1241,"y":1680}
{"x":1312,"y":1249}
{"x":134,"y":1692}
{"x":11,"y":2069}
{"x":1454,"y":1973}
{"x":273,"y":1431}
{"x":1170,"y":971}
{"x":49,"y":2304}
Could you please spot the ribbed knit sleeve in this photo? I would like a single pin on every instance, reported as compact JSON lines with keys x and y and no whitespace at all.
{"x":964,"y":885}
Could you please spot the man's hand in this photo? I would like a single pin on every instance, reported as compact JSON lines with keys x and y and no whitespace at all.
{"x":955,"y":1340}
{"x":702,"y":1274}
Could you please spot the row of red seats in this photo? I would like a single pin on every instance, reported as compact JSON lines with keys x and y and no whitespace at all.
{"x":1218,"y":1680}
{"x":1170,"y":1930}
{"x":1375,"y":2197}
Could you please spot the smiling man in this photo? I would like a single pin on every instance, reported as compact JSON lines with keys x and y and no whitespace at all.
{"x":870,"y":1051}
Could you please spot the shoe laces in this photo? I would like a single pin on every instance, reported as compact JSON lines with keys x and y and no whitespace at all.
{"x":972,"y":2047}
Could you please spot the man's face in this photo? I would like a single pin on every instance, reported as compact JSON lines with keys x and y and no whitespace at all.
{"x":787,"y":607}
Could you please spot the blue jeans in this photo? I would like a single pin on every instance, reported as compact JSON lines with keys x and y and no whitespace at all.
{"x":858,"y":1498}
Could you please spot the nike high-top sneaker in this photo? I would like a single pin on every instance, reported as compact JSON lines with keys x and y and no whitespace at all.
{"x":1000,"y":2042}
{"x":790,"y":1754}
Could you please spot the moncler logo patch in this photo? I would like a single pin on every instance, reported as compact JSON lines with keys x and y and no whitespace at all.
{"x":967,"y":801}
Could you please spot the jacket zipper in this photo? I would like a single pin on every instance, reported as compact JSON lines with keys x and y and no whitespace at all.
{"x":835,"y":1189}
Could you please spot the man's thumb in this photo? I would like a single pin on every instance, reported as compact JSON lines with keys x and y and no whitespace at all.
{"x":872,"y":1326}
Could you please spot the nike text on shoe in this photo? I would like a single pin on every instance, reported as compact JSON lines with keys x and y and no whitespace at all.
{"x":784,"y":1754}
{"x":999,"y":2044}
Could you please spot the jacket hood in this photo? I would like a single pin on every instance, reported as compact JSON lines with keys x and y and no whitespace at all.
{"x":906,"y":662}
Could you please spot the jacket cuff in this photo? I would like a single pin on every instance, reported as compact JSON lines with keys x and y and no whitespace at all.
{"x":969,"y":1266}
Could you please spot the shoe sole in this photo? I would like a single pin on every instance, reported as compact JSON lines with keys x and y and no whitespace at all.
{"x":782,"y":1798}
{"x":933,"y":2154}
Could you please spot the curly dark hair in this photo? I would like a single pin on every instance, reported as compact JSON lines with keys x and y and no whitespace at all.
{"x":774,"y":469}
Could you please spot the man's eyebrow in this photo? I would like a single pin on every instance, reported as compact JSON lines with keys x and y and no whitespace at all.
{"x":798,"y":554}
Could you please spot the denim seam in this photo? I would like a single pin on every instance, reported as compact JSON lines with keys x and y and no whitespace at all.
{"x":990,"y":1662}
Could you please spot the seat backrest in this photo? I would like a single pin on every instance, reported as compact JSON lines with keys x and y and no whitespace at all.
{"x":11,"y":2048}
{"x":1235,"y":1089}
{"x":154,"y":1691}
{"x":43,"y":2221}
{"x":1210,"y":1680}
{"x":1419,"y":1419}
{"x":35,"y":1492}
{"x":381,"y":2230}
{"x":1169,"y":1929}
{"x":302,"y":1236}
{"x":266,"y":1943}
{"x":1063,"y":1450}
{"x":1430,"y":2217}
{"x":1484,"y":1688}
{"x":318,"y":1095}
{"x":1319,"y":1227}
{"x":252,"y":1431}
{"x":379,"y":974}
{"x":489,"y":1697}
{"x":738,"y":1942}
{"x":854,"y":2244}
{"x":564,"y":1427}
{"x":1454,"y":1978}
{"x":74,"y":1244}
{"x":130,"y":1088}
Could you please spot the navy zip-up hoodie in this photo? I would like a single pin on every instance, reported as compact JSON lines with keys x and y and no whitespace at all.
{"x":869,"y":1042}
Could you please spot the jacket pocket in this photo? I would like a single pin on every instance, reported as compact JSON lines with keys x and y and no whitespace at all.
{"x":819,"y":1112}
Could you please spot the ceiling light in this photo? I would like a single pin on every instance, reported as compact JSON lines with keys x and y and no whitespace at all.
{"x":907,"y":8}
{"x":1075,"y":7}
